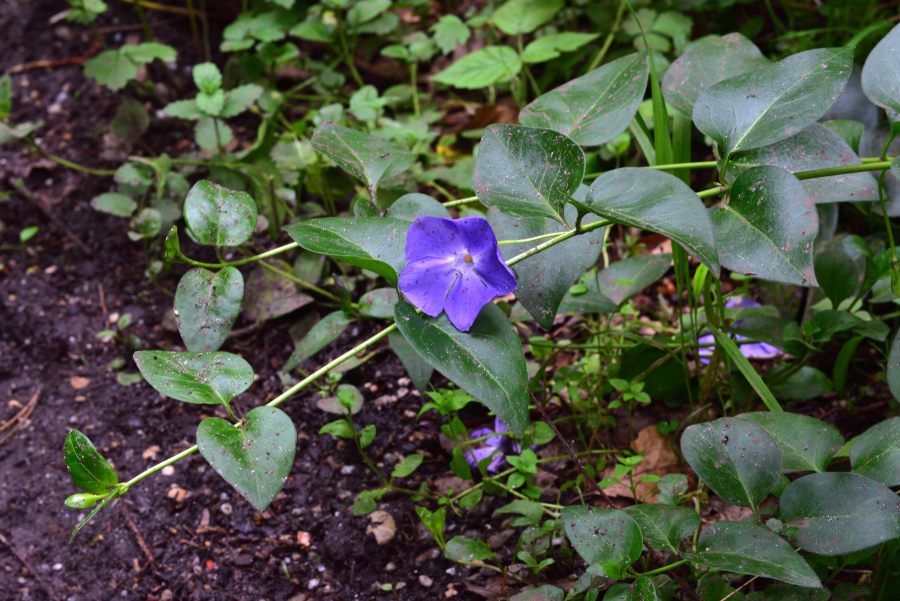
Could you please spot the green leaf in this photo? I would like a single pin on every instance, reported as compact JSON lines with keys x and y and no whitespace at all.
{"x":434,"y":521}
{"x":346,"y":393}
{"x":149,"y":52}
{"x":145,"y":225}
{"x":11,"y":134}
{"x":211,"y":134}
{"x":626,"y":277}
{"x":602,"y":535}
{"x":487,"y":361}
{"x":379,"y":303}
{"x":111,"y":68}
{"x":449,"y":32}
{"x":767,"y":227}
{"x":340,"y":428}
{"x":524,"y":16}
{"x":705,"y":63}
{"x":726,"y":344}
{"x":482,"y":68}
{"x":114,"y":204}
{"x":837,"y":274}
{"x":374,"y":243}
{"x":6,"y":96}
{"x":736,"y":458}
{"x":211,"y":104}
{"x":527,"y":171}
{"x":270,"y":295}
{"x":875,"y":453}
{"x":207,"y":77}
{"x":90,"y":516}
{"x":594,"y":108}
{"x":255,"y":456}
{"x":750,"y":549}
{"x":773,"y":102}
{"x":787,"y":592}
{"x":547,"y":592}
{"x":658,"y":202}
{"x":806,"y":444}
{"x":409,"y":464}
{"x":838,"y":513}
{"x":208,"y":378}
{"x":206,"y":305}
{"x":323,"y":333}
{"x":530,"y":509}
{"x":849,"y":131}
{"x":460,"y":548}
{"x":217,"y":216}
{"x":366,"y":10}
{"x":184,"y":109}
{"x":239,"y":99}
{"x":545,"y":278}
{"x":552,"y":46}
{"x":366,"y":157}
{"x":409,"y":207}
{"x":664,"y":526}
{"x":418,"y":368}
{"x":89,"y":470}
{"x":808,"y":383}
{"x":312,"y":30}
{"x":816,"y":147}
{"x":880,"y":78}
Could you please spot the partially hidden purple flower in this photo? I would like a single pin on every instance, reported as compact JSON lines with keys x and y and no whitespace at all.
{"x":454,"y":266}
{"x":757,"y":350}
{"x":499,"y":446}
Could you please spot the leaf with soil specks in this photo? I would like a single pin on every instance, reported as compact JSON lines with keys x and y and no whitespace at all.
{"x":208,"y":378}
{"x":664,"y":526}
{"x":875,"y":453}
{"x":602,"y":535}
{"x":880,"y":78}
{"x":806,"y":443}
{"x":206,"y":305}
{"x":217,"y":216}
{"x":255,"y":457}
{"x":89,"y":470}
{"x":270,"y":295}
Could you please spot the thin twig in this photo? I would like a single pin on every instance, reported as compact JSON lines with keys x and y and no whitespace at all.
{"x":47,"y":589}
{"x":738,"y":589}
{"x":26,"y":409}
{"x":137,"y":534}
{"x":102,"y":299}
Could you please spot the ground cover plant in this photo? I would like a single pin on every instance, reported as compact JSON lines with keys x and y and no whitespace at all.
{"x":631,"y":358}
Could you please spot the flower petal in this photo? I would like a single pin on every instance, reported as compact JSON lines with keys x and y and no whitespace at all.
{"x":466,"y":299}
{"x":760,"y":350}
{"x":434,"y":237}
{"x":474,"y":456}
{"x":477,"y":235}
{"x":426,"y":282}
{"x":495,"y":273}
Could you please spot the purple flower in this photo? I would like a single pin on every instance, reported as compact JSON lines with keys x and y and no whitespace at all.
{"x":454,"y":266}
{"x":499,"y":446}
{"x":758,"y":350}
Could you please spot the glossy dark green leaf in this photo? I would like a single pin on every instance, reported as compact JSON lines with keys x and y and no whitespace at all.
{"x":89,"y":470}
{"x":705,"y":63}
{"x":658,"y":202}
{"x":255,"y":457}
{"x":788,"y":592}
{"x":816,"y":147}
{"x":807,"y":383}
{"x":418,"y":369}
{"x":217,"y":216}
{"x":596,"y":107}
{"x":373,"y":243}
{"x":173,"y":246}
{"x":530,"y":509}
{"x":828,"y":323}
{"x":837,"y":274}
{"x":320,"y":335}
{"x":750,"y":549}
{"x":875,"y":453}
{"x":460,"y":548}
{"x":839,"y":512}
{"x":91,"y":515}
{"x":880,"y":79}
{"x":664,"y":526}
{"x":208,"y":378}
{"x":487,"y":361}
{"x":620,"y":591}
{"x":206,"y":305}
{"x":545,"y":278}
{"x":806,"y":444}
{"x":774,"y":102}
{"x":602,"y":535}
{"x":270,"y":295}
{"x":736,"y":458}
{"x":527,"y":171}
{"x":368,"y":158}
{"x":767,"y":227}
{"x":378,"y":303}
{"x":411,"y":206}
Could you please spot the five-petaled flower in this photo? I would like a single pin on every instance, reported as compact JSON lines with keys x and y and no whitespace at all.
{"x":454,"y":266}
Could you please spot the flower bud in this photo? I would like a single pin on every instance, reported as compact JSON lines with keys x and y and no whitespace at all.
{"x":82,"y":500}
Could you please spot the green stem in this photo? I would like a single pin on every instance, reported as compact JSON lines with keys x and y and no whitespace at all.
{"x":714,"y":191}
{"x":663,"y":569}
{"x":561,"y":238}
{"x":871,"y":166}
{"x":348,"y":56}
{"x":461,"y":201}
{"x":290,"y":276}
{"x":68,"y":164}
{"x":609,"y":38}
{"x":541,"y":237}
{"x":414,"y":77}
{"x":259,"y":257}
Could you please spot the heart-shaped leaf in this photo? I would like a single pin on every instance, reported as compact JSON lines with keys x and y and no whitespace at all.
{"x":323,"y":333}
{"x":270,"y":295}
{"x":255,"y":457}
{"x":208,"y":378}
{"x":206,"y":305}
{"x":602,"y":535}
{"x":774,"y":102}
{"x":875,"y":453}
{"x":411,"y":206}
{"x":486,"y":361}
{"x":806,"y":444}
{"x":594,"y":108}
{"x":374,"y":243}
{"x":838,"y":512}
{"x":527,"y":171}
{"x":419,"y":370}
{"x":750,"y":549}
{"x":545,"y":277}
{"x":816,"y":147}
{"x":767,"y":227}
{"x":880,"y":79}
{"x":89,"y":470}
{"x":736,"y":458}
{"x":664,"y":526}
{"x":366,"y":157}
{"x":658,"y":202}
{"x":217,"y":216}
{"x":705,"y":63}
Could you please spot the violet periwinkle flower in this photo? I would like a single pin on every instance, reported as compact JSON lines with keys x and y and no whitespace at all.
{"x":757,"y":350}
{"x":454,"y":266}
{"x":499,"y":446}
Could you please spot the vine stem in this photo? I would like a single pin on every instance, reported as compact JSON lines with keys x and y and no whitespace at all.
{"x":461,"y":201}
{"x":67,"y":163}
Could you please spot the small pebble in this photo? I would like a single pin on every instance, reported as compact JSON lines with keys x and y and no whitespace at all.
{"x":451,"y":571}
{"x":402,"y":392}
{"x":425,"y":581}
{"x":168,"y":471}
{"x":57,"y":566}
{"x":226,"y":509}
{"x":312,"y":583}
{"x":390,"y":567}
{"x":348,"y":469}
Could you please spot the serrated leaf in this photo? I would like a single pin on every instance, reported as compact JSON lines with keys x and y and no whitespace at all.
{"x":217,"y":216}
{"x":774,"y":102}
{"x":312,"y":30}
{"x":486,"y":361}
{"x":594,"y":108}
{"x":602,"y":535}
{"x":482,"y":68}
{"x":664,"y":526}
{"x":524,"y":16}
{"x":767,"y":227}
{"x":255,"y":457}
{"x":149,"y":52}
{"x":206,"y":305}
{"x":89,"y":470}
{"x":207,"y":77}
{"x":875,"y":453}
{"x":114,"y":204}
{"x":184,"y":109}
{"x":212,"y":134}
{"x":207,"y":378}
{"x":111,"y":69}
{"x":239,"y":99}
{"x":449,"y":32}
{"x":805,"y":443}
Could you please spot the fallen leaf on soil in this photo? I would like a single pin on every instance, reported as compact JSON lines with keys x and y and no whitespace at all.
{"x":77,"y":382}
{"x":383,"y":526}
{"x":151,"y":452}
{"x":177,"y":493}
{"x":659,"y":459}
